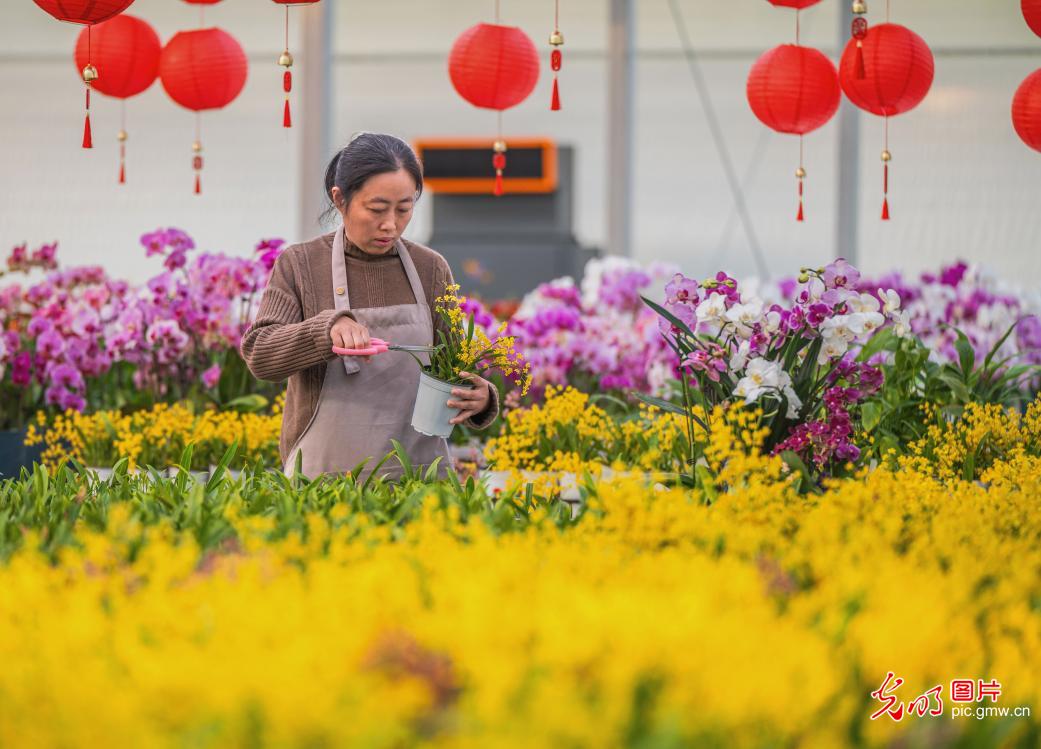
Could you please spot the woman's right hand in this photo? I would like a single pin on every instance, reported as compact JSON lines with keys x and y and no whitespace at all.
{"x":347,"y":333}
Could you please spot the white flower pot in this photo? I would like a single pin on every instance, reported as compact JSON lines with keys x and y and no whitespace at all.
{"x":431,"y":415}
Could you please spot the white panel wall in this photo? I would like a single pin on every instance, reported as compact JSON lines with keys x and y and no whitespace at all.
{"x":962,"y":184}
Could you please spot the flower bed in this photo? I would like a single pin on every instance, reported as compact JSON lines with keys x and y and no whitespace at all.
{"x":744,"y":613}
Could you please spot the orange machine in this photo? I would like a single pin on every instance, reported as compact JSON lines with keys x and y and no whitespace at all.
{"x":461,"y":166}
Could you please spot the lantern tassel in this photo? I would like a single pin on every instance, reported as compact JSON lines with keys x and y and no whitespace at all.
{"x":885,"y":192}
{"x":122,"y":164}
{"x":499,"y":163}
{"x":287,"y":86}
{"x":555,"y":106}
{"x":860,"y":71}
{"x":198,"y":185}
{"x":88,"y":139}
{"x":801,"y":215}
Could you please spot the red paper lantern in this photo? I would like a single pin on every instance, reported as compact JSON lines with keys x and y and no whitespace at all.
{"x":87,"y":12}
{"x":794,"y":90}
{"x":898,"y":73}
{"x":797,"y":4}
{"x":127,"y":50}
{"x":1032,"y":14}
{"x":286,"y":61}
{"x":494,"y":67}
{"x":200,"y":70}
{"x":1026,"y":110}
{"x":203,"y":69}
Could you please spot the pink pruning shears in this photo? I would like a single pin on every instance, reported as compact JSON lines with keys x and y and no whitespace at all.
{"x":379,"y":346}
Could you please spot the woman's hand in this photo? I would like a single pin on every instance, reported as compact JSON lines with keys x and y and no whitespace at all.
{"x":347,"y":333}
{"x":470,"y":402}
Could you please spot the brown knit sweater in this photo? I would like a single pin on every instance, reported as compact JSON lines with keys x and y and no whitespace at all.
{"x":290,"y":337}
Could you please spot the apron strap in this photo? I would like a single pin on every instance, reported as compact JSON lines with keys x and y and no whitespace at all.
{"x":341,"y":295}
{"x":413,"y":275}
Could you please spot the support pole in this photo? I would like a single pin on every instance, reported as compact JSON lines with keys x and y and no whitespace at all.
{"x":847,"y":209}
{"x":314,"y":120}
{"x":620,"y":101}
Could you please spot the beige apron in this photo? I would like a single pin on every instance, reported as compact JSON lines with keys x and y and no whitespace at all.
{"x":363,"y":406}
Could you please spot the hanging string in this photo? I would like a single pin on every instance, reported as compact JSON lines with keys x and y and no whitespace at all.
{"x":286,"y":60}
{"x":887,"y":11}
{"x":499,"y":159}
{"x":798,"y":25}
{"x":89,"y":74}
{"x":886,"y":158}
{"x":197,"y":153}
{"x":800,"y":174}
{"x":499,"y":147}
{"x":122,"y":141}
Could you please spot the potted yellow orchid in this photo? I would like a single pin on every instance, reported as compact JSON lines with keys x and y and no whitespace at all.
{"x":461,"y":346}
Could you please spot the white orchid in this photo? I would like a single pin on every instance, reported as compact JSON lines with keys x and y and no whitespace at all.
{"x":890,"y":301}
{"x":794,"y":403}
{"x":902,"y":324}
{"x":862,"y":303}
{"x":765,"y":377}
{"x":864,"y":324}
{"x":713,"y":309}
{"x":832,"y":347}
{"x":743,"y":316}
{"x":761,"y":376}
{"x":771,"y":322}
{"x":841,"y":326}
{"x":739,"y":358}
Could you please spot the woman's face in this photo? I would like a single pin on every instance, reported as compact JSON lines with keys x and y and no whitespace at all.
{"x":379,"y":212}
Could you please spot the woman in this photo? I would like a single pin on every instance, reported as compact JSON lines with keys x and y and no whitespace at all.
{"x":340,"y":289}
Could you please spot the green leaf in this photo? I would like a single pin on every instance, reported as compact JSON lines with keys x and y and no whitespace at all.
{"x":871,"y":415}
{"x":881,"y":341}
{"x":402,"y":456}
{"x":707,"y":483}
{"x":670,"y":407}
{"x":222,"y":466}
{"x":248,"y":403}
{"x":994,"y":349}
{"x":680,"y":325}
{"x":431,"y":474}
{"x":966,"y":354}
{"x":797,"y":465}
{"x":954,"y":380}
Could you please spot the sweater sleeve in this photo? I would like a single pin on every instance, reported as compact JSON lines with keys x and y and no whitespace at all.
{"x":280,"y":342}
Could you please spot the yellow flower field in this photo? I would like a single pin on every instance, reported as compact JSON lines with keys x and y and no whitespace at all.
{"x":657,"y":619}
